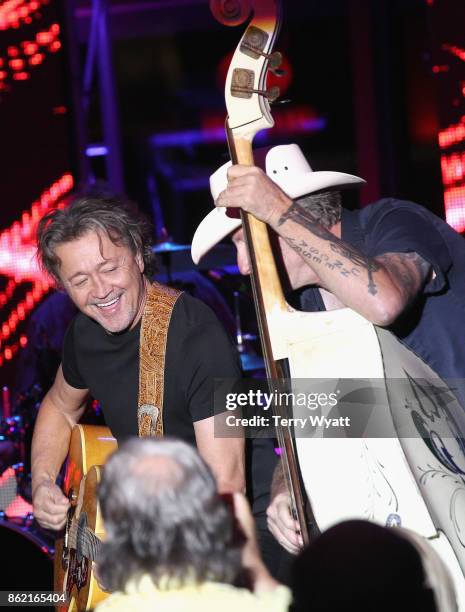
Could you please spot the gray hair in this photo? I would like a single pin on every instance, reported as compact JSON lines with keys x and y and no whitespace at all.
{"x":163,"y":516}
{"x":324,"y":206}
{"x":118,"y":219}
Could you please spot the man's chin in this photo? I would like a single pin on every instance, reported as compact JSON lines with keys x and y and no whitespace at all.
{"x":116,"y":329}
{"x":111,"y":327}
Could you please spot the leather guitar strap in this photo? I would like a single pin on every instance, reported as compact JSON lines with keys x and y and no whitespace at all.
{"x":153,"y":338}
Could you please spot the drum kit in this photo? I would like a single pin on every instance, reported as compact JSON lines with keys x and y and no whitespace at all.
{"x":18,"y":530}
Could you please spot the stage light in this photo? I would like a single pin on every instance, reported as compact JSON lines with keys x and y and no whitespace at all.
{"x":21,"y":76}
{"x":30,"y":48}
{"x":17,"y":260}
{"x":44,"y":38}
{"x":453,"y":174}
{"x":54,"y":46}
{"x":36,"y":59}
{"x":15,"y":12}
{"x":17,"y":63}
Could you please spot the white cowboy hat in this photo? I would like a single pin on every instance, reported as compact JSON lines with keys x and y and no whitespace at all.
{"x":287,"y":167}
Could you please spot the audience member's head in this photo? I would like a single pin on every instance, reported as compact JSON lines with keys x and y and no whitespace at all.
{"x":361,"y":566}
{"x":163,"y":517}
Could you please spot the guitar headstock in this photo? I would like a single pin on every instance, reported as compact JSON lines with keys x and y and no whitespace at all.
{"x":247,"y":100}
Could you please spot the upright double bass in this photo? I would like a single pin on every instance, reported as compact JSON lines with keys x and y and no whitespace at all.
{"x":248,"y":106}
{"x":415,"y":475}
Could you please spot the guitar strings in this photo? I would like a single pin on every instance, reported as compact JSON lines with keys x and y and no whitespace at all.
{"x":88,"y":538}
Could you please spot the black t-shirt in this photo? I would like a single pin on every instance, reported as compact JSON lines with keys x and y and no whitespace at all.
{"x":198,"y":351}
{"x":433,"y":326}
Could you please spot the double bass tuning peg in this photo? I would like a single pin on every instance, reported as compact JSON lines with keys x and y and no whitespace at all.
{"x":274,"y":59}
{"x":274,"y":62}
{"x":242,"y":86}
{"x":253,"y":45}
{"x":272,"y":93}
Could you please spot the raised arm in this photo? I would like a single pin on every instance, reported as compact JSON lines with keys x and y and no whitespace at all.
{"x":60,"y":410}
{"x":378,"y":288}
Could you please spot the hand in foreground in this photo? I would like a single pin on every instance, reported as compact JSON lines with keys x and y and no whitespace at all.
{"x":50,"y":505}
{"x":281,"y":524}
{"x":252,"y":190}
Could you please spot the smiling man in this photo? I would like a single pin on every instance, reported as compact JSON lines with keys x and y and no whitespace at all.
{"x":99,"y":252}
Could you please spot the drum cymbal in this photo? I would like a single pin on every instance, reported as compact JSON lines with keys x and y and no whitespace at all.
{"x":168,"y":246}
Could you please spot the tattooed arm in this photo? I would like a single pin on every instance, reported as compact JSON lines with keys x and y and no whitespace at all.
{"x":378,"y":288}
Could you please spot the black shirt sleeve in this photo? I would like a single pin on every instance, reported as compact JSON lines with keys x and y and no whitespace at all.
{"x":211,"y":352}
{"x":401,"y":228}
{"x":69,"y":363}
{"x":203,"y":352}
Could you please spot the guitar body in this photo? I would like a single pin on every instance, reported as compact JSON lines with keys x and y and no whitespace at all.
{"x":74,"y":554}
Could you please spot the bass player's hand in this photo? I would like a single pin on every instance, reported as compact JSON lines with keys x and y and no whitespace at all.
{"x":50,"y":505}
{"x":281,"y":524}
{"x":252,"y":190}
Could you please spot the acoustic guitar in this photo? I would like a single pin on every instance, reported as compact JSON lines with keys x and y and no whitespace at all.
{"x":77,"y":550}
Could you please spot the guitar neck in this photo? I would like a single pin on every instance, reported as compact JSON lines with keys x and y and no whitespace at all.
{"x":265,"y":275}
{"x":269,"y":303}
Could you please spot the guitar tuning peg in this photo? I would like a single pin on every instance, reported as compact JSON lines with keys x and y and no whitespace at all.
{"x":277,"y":72}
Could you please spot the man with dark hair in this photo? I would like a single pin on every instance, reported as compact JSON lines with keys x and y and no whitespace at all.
{"x":98,"y":250}
{"x":171,"y":541}
{"x":374,"y":568}
{"x":394,"y":263}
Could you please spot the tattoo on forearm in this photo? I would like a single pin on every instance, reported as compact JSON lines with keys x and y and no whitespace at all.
{"x":313,"y":255}
{"x":356,"y":259}
{"x":303,"y":217}
{"x":409,"y":270}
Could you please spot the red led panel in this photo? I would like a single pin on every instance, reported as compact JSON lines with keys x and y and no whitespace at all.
{"x":457,"y":51}
{"x":453,"y":174}
{"x":18,"y":60}
{"x":454,"y":200}
{"x":18,"y":263}
{"x":452,"y":137}
{"x":13,"y":13}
